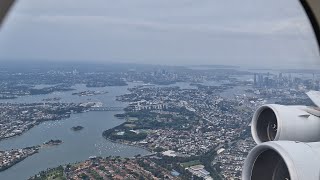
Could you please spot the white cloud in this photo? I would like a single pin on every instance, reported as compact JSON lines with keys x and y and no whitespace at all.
{"x":167,"y":31}
{"x":290,"y":26}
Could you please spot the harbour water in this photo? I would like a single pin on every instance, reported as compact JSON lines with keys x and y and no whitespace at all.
{"x":77,"y":146}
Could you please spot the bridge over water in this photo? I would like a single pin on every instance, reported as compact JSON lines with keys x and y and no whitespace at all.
{"x":106,"y":108}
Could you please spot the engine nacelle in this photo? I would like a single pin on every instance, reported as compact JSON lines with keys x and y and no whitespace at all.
{"x":283,"y":160}
{"x":275,"y":122}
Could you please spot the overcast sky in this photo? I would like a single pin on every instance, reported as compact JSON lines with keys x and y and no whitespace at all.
{"x":178,"y":32}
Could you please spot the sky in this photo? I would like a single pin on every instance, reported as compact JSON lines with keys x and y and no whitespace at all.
{"x":257,"y":33}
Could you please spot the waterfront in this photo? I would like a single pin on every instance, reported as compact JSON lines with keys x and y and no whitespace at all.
{"x":77,"y":146}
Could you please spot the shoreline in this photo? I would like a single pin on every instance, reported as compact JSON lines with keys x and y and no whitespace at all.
{"x":38,"y":123}
{"x":37,"y":149}
{"x":128,"y":144}
{"x":17,"y":161}
{"x":8,"y":171}
{"x":125,"y":142}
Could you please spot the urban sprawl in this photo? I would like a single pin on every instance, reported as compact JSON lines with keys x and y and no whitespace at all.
{"x":195,"y":122}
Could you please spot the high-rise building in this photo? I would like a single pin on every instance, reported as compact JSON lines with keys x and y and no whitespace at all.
{"x":260,"y":80}
{"x":255,"y":79}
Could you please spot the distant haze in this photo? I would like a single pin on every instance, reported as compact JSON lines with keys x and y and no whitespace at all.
{"x":173,"y":32}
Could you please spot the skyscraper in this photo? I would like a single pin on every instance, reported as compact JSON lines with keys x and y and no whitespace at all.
{"x":255,"y":79}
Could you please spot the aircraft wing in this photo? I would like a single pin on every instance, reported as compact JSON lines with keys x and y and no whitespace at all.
{"x":315,"y":97}
{"x":5,"y":6}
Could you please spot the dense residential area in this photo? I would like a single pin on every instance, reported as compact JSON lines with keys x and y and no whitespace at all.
{"x":109,"y":168}
{"x":159,"y":90}
{"x":186,"y":123}
{"x":16,"y":119}
{"x":11,"y":157}
{"x":189,"y":122}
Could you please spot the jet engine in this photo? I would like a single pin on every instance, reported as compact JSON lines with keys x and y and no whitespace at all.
{"x":288,"y":139}
{"x":277,"y":130}
{"x":283,"y":160}
{"x":275,"y":122}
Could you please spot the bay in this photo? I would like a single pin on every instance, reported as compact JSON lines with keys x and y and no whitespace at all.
{"x":77,"y":146}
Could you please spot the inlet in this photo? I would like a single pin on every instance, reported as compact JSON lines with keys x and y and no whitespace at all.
{"x":267,"y":125}
{"x":269,"y":165}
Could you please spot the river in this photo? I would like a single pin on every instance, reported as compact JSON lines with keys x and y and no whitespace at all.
{"x":77,"y":146}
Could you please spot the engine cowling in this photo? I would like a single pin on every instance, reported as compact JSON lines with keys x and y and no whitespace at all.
{"x":275,"y":122}
{"x":283,"y":160}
